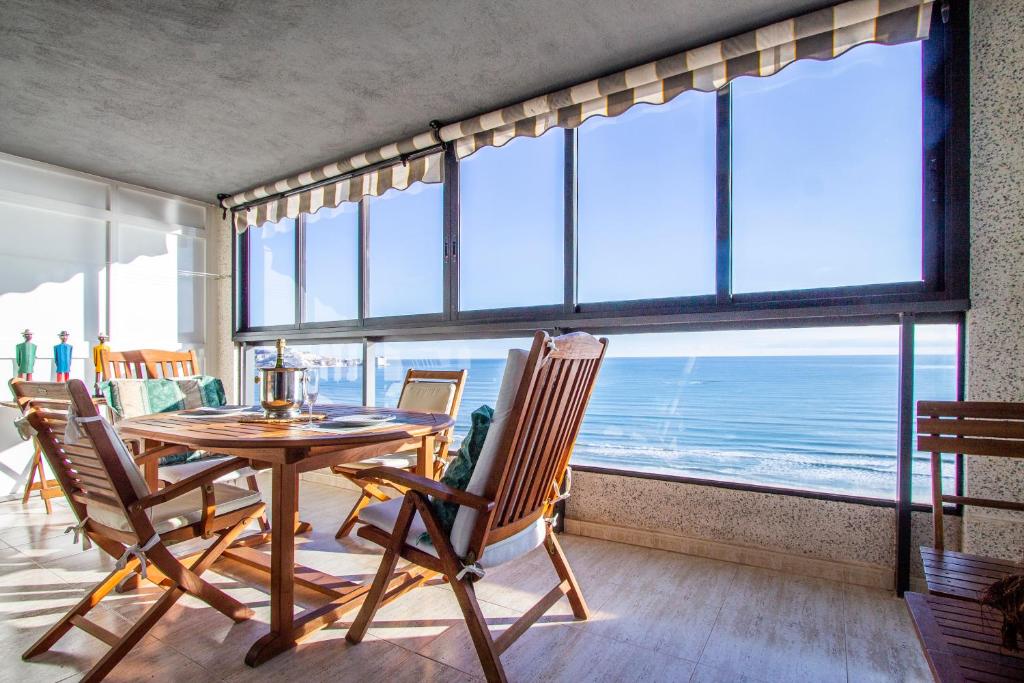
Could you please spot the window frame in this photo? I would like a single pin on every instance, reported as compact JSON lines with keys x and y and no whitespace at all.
{"x":943,"y":288}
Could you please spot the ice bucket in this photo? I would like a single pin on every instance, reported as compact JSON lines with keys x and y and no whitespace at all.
{"x":281,"y":391}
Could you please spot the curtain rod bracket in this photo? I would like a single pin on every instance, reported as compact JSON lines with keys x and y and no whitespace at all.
{"x":435,"y":128}
{"x":220,"y":202}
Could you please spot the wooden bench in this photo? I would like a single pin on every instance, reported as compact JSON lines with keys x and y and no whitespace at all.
{"x":962,"y":640}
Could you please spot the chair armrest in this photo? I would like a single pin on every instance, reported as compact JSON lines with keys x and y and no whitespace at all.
{"x":190,"y":483}
{"x":430,"y":487}
{"x":154,"y":454}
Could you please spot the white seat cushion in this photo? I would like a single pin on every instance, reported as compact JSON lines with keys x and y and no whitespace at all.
{"x":465,"y":518}
{"x":402,"y":461}
{"x":181,"y":511}
{"x":172,"y":474}
{"x":384,"y":515}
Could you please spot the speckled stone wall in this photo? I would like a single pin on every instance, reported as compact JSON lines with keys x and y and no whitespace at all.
{"x":995,"y":330}
{"x":804,"y":527}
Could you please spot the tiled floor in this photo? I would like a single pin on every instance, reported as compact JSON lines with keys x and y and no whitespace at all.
{"x":656,"y":616}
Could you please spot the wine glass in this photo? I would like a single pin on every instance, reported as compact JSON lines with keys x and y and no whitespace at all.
{"x":311,"y":382}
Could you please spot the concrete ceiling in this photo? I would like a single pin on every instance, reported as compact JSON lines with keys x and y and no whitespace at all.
{"x":202,"y":97}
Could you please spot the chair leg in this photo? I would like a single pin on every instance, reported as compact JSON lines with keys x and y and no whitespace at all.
{"x":37,"y":462}
{"x":564,"y":571}
{"x":262,"y":519}
{"x":189,"y":580}
{"x":490,"y":661}
{"x":350,"y":521}
{"x":91,"y":599}
{"x":380,"y":582}
{"x":113,"y":656}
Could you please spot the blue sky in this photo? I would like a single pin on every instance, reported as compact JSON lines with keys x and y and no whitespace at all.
{"x":826,"y":192}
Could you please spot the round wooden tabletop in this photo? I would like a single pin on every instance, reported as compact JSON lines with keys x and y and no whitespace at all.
{"x":209,"y":433}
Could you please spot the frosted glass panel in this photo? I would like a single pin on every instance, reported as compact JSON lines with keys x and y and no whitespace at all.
{"x":53,"y":185}
{"x":156,"y":295}
{"x":53,"y":278}
{"x":157,"y":208}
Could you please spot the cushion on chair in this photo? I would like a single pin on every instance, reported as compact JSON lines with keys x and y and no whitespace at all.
{"x":175,"y":473}
{"x":462,"y":529}
{"x":430,"y":397}
{"x":181,"y":511}
{"x":202,"y":391}
{"x":460,"y":469}
{"x":403,"y":461}
{"x":384,"y":515}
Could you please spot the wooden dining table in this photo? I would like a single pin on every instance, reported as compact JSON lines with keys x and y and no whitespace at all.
{"x":289,"y":450}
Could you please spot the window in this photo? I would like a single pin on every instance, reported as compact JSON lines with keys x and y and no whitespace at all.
{"x":332,"y":264}
{"x":512,"y":205}
{"x":646,"y":201}
{"x":936,"y":350}
{"x":271,"y":277}
{"x":405,"y":250}
{"x":339,"y":365}
{"x":810,"y":408}
{"x":826,"y":172}
{"x":484,"y":359}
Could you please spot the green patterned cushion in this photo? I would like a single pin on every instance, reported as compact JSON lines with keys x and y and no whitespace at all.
{"x":460,"y":469}
{"x":202,"y":391}
{"x":136,"y":397}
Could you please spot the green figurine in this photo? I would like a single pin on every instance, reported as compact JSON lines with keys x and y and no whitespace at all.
{"x":25,"y":356}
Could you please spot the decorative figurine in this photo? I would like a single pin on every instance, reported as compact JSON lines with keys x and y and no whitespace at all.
{"x":25,"y":356}
{"x":97,"y":362}
{"x":62,"y":357}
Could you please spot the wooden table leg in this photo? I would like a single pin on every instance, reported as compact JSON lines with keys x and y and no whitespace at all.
{"x":425,"y":457}
{"x":284,"y":516}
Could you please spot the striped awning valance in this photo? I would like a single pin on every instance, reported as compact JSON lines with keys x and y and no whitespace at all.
{"x":824,"y":34}
{"x":821,"y":35}
{"x":398,"y":176}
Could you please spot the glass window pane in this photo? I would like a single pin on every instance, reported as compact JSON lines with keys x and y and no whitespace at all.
{"x":271,"y":278}
{"x":935,"y":368}
{"x":512,"y":228}
{"x":405,"y":250}
{"x":827,"y":172}
{"x":646,"y":201}
{"x":811,"y":409}
{"x":332,"y":264}
{"x":340,"y":367}
{"x":484,"y":359}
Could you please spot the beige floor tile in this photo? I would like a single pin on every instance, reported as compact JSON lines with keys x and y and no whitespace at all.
{"x":881,"y":644}
{"x":707,"y":674}
{"x":783,"y":628}
{"x":677,"y":617}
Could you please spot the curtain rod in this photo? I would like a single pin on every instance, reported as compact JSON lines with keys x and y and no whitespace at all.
{"x":427,"y":151}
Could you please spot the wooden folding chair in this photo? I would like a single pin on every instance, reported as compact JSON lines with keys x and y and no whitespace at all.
{"x":966,"y":428}
{"x":159,"y":364}
{"x":116,"y":510}
{"x":502,"y":514}
{"x":435,"y":391}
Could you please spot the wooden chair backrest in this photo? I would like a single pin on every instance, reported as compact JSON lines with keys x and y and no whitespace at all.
{"x":968,"y":428}
{"x":148,"y":364}
{"x":121,"y":365}
{"x":545,"y":420}
{"x":169,"y":363}
{"x":89,"y":471}
{"x":456,"y":377}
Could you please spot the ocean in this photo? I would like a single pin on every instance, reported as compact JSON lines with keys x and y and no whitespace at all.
{"x":819,"y":423}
